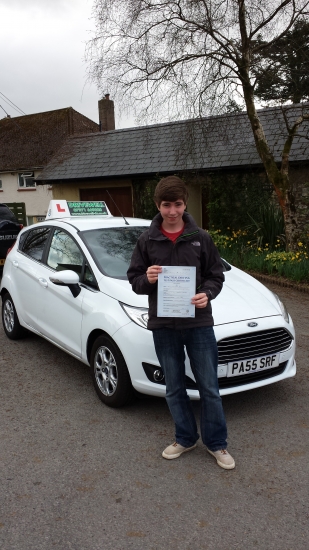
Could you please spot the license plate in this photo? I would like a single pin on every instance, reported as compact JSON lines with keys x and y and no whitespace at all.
{"x":2,"y":262}
{"x":237,"y":368}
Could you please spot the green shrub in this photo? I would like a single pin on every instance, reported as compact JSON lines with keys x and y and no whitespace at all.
{"x":143,"y":191}
{"x":233,"y":198}
{"x":245,"y":254}
{"x":269,"y":226}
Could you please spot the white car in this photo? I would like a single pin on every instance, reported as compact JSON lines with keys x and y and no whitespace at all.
{"x":65,"y":279}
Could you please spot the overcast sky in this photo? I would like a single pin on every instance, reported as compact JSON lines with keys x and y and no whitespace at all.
{"x":42,"y":45}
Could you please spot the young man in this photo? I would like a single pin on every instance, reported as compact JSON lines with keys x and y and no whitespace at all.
{"x":174,"y":239}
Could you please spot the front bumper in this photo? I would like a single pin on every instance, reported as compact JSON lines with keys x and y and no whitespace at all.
{"x":143,"y":352}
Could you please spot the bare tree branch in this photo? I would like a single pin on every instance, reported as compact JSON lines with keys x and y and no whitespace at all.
{"x":185,"y":58}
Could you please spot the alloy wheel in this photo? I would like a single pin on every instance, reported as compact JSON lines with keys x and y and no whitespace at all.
{"x":8,"y":315}
{"x":105,"y":370}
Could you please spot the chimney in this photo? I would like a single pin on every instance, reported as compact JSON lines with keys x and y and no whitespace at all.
{"x":106,"y":114}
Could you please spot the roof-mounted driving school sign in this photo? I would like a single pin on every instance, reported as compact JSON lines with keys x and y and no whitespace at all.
{"x":65,"y":209}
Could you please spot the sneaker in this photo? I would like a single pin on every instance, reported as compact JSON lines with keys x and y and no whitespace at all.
{"x":223,"y":458}
{"x":175,"y":450}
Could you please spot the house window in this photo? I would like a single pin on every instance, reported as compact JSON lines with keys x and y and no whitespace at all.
{"x":26,"y":179}
{"x":1,"y":184}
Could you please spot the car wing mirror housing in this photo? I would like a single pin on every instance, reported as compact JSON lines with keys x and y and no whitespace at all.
{"x":67,"y":278}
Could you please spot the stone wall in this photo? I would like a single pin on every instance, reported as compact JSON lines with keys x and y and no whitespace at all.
{"x":299,"y":175}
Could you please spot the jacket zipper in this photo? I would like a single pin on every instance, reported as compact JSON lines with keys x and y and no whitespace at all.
{"x":186,"y":235}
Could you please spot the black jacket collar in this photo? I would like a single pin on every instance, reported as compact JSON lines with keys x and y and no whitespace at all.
{"x":155,"y":227}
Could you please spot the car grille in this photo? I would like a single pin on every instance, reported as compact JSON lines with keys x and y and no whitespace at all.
{"x":255,"y":344}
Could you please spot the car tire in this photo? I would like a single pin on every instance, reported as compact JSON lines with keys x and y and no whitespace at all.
{"x":110,"y":374}
{"x":10,"y":321}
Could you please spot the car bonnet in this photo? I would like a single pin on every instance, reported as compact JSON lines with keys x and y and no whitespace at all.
{"x":243,"y":298}
{"x":121,"y":290}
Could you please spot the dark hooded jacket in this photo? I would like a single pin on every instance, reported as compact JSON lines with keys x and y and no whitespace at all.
{"x":193,"y":248}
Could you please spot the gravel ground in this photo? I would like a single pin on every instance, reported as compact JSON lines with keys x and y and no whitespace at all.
{"x":78,"y":475}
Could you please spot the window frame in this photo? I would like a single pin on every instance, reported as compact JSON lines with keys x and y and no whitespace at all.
{"x":22,"y":177}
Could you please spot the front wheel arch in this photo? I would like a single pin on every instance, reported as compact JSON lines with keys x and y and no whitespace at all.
{"x":91,"y":340}
{"x":3,"y":292}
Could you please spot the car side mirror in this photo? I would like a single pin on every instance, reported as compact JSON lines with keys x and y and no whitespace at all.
{"x":67,"y":278}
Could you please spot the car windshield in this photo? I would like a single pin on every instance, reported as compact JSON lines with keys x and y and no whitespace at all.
{"x":112,"y":248}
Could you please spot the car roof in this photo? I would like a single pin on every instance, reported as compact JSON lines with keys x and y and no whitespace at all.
{"x":86,"y":215}
{"x":94,"y":222}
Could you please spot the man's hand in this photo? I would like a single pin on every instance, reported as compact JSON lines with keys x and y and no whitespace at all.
{"x":200,"y":300}
{"x":152,"y":273}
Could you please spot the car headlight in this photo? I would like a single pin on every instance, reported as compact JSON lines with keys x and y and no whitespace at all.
{"x":138,"y":315}
{"x":283,"y":309}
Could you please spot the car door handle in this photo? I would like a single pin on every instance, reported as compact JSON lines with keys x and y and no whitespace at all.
{"x":43,"y":282}
{"x":15,"y":263}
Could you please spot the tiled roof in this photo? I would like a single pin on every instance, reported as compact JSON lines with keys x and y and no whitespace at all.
{"x":29,"y":141}
{"x":200,"y":144}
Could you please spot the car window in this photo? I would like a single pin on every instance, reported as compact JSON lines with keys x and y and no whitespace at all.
{"x":112,"y":248}
{"x":89,"y":278}
{"x":22,"y":239}
{"x":33,"y":242}
{"x":64,"y":253}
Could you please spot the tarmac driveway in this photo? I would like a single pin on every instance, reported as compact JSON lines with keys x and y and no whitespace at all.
{"x":78,"y":475}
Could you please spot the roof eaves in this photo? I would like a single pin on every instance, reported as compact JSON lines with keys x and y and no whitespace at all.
{"x":164,"y":170}
{"x":28,"y":168}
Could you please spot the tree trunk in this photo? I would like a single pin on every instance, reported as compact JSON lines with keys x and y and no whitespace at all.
{"x":278,"y":178}
{"x":292,"y":229}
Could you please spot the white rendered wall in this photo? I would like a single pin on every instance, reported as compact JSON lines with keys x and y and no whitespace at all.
{"x":36,"y":198}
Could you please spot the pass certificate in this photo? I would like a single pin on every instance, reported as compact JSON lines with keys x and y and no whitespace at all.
{"x":176,"y":287}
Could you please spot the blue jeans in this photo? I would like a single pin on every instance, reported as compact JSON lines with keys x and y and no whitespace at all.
{"x":201,"y":346}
